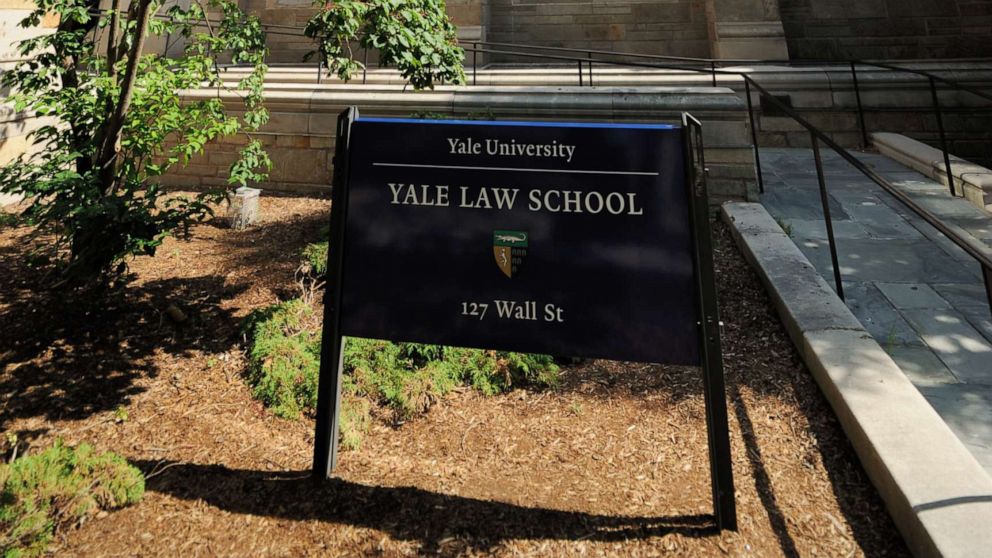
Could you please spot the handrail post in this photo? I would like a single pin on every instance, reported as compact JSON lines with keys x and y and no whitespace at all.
{"x":713,"y":71}
{"x":825,"y":201}
{"x":861,"y":111}
{"x":589,"y":56}
{"x":320,"y":62}
{"x":754,"y":134}
{"x":943,"y":137}
{"x":475,"y":55}
{"x":987,"y":274}
{"x":580,"y":72}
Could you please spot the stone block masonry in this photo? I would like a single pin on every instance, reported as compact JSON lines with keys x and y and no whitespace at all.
{"x":672,"y":27}
{"x":812,"y":29}
{"x":300,"y":135}
{"x":878,"y":29}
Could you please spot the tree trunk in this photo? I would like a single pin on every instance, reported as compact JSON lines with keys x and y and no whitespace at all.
{"x":115,"y":17}
{"x":79,"y":135}
{"x":110,"y":147}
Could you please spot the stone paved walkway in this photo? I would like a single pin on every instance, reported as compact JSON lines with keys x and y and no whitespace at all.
{"x":918,"y":294}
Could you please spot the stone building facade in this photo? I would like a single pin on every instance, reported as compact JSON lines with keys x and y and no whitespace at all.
{"x":887,"y":28}
{"x":767,"y":29}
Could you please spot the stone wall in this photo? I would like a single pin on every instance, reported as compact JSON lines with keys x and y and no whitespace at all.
{"x":869,"y":29}
{"x":287,"y":46}
{"x":283,"y":46}
{"x":300,"y":135}
{"x":15,"y":127}
{"x":671,"y":27}
{"x":820,"y":29}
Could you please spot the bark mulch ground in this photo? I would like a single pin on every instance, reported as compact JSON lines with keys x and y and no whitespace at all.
{"x":613,"y":462}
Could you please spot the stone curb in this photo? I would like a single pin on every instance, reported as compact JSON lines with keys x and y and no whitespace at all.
{"x":974,"y":181}
{"x":936,"y":492}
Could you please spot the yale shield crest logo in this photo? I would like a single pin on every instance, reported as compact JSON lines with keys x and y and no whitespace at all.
{"x":510,"y":249}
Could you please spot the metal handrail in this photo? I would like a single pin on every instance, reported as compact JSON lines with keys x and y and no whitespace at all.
{"x":954,"y":83}
{"x":714,"y":71}
{"x":981,"y":252}
{"x":713,"y":62}
{"x":978,"y":250}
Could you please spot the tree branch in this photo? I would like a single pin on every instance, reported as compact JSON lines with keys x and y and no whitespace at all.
{"x":115,"y":16}
{"x":107,"y":159}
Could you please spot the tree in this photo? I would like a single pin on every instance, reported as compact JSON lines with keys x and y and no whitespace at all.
{"x":119,"y":121}
{"x":414,"y":35}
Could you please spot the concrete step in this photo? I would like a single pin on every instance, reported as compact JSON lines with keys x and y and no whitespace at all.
{"x":973,"y":182}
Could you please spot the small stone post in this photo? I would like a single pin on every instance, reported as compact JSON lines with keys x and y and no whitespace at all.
{"x":243,"y":211}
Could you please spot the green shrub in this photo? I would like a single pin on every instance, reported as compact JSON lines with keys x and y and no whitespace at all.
{"x":315,"y":255}
{"x":8,"y":219}
{"x":355,"y":420}
{"x":408,"y":377}
{"x":284,"y":364}
{"x":284,"y":358}
{"x":59,"y":487}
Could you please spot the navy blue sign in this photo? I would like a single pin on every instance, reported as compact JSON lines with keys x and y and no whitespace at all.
{"x":568,"y":239}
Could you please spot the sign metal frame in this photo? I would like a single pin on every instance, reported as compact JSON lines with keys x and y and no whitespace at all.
{"x":333,"y":342}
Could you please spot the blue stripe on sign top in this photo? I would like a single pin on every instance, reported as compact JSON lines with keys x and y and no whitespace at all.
{"x":620,"y":125}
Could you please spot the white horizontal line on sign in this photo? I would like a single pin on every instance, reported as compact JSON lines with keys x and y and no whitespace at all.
{"x":508,"y":169}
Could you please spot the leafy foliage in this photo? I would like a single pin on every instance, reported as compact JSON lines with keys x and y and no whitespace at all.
{"x":414,"y":35}
{"x":284,"y":358}
{"x":315,"y":256}
{"x":409,"y":377}
{"x":58,"y":487}
{"x":119,"y":122}
{"x":8,"y":219}
{"x":284,"y":363}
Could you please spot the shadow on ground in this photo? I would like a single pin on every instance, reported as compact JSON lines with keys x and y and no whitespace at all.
{"x":749,"y":318}
{"x":66,"y":358}
{"x":62,"y":358}
{"x":406,"y":513}
{"x":69,"y":355}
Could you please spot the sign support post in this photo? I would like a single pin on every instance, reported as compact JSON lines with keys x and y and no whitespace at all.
{"x":721,"y":471}
{"x":325,"y":456}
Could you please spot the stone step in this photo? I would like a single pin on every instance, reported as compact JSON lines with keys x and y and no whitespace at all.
{"x":880,"y":88}
{"x":973,"y":182}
